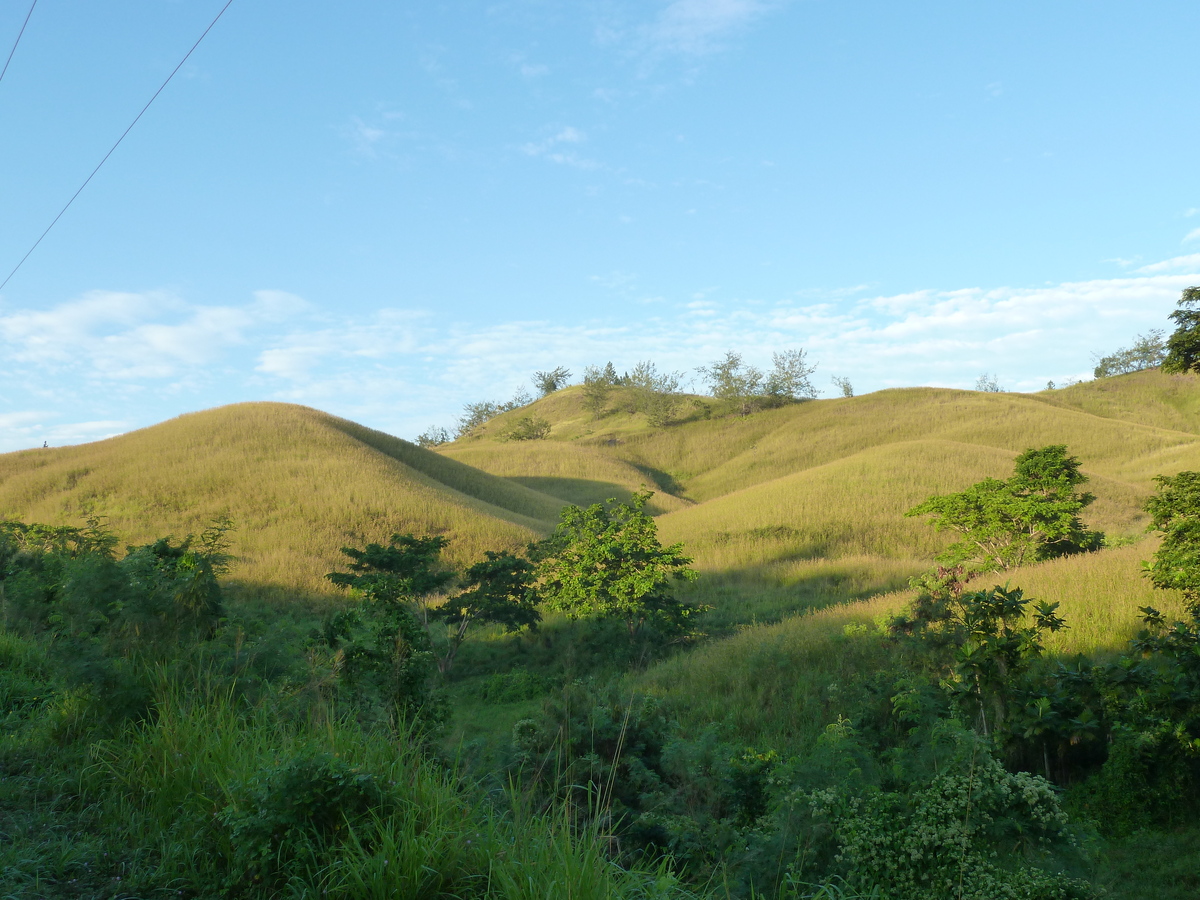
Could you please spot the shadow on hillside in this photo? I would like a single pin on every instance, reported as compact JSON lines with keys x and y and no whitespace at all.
{"x":754,"y":596}
{"x":583,"y":491}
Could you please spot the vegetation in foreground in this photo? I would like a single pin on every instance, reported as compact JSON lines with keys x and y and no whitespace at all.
{"x":487,"y":727}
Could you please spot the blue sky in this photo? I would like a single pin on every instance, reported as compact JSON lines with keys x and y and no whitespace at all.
{"x":387,"y":210}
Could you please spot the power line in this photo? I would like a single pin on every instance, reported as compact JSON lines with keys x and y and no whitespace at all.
{"x":18,"y":40}
{"x":117,"y":144}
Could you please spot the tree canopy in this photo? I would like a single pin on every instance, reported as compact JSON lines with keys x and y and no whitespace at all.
{"x":605,"y":561}
{"x":1031,"y":516}
{"x":1175,"y":511}
{"x":1183,"y":347}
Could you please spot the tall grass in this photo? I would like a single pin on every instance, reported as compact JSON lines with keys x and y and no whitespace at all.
{"x":169,"y":787}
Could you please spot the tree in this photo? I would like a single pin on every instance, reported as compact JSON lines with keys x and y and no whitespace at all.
{"x":843,"y":384}
{"x":598,"y":385}
{"x":980,"y":642}
{"x":1175,"y":511}
{"x":527,"y":428}
{"x":748,"y":388}
{"x":788,"y":379}
{"x":384,"y":645}
{"x":988,"y":384}
{"x":654,"y":393}
{"x":1183,"y":347}
{"x":549,"y":382}
{"x":605,"y":562}
{"x":407,"y":570}
{"x":1032,"y":516}
{"x":728,"y":379}
{"x":433,"y":436}
{"x":1147,"y":352}
{"x":500,"y":591}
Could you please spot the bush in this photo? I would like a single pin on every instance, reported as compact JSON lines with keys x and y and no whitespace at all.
{"x":294,"y":812}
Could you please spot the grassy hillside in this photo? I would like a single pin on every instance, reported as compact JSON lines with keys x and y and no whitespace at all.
{"x":299,"y":484}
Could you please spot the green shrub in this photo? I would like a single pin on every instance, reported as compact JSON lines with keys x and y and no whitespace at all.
{"x":294,"y":812}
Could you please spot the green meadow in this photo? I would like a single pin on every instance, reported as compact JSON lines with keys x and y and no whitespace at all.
{"x":794,"y":519}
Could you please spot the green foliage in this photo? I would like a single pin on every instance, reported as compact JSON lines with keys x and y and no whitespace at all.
{"x":605,"y":561}
{"x":1183,"y":346}
{"x":1175,"y":511}
{"x":988,"y":384}
{"x":598,"y":385}
{"x":748,"y":388}
{"x":292,"y":814}
{"x":1032,"y":516}
{"x":981,"y":644}
{"x":515,"y":686}
{"x":549,"y":382}
{"x":654,"y":394}
{"x":383,"y":648}
{"x":500,"y":591}
{"x":407,"y":569}
{"x":975,"y":832}
{"x":843,"y":385}
{"x":788,"y":378}
{"x":1148,"y":350}
{"x":527,"y":428}
{"x":433,"y":436}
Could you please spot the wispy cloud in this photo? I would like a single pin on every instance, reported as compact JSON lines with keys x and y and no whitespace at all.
{"x":402,"y":369}
{"x":1193,"y":235}
{"x":557,"y":148}
{"x":701,"y":26}
{"x":1174,"y":264}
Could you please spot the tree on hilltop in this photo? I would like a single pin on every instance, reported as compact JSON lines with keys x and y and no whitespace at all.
{"x":549,"y":382}
{"x":1183,"y":347}
{"x":1148,"y":351}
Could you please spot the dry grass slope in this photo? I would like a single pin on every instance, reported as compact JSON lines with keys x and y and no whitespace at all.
{"x":298,"y":483}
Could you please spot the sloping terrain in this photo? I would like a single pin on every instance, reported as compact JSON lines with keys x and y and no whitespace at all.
{"x":299,"y":484}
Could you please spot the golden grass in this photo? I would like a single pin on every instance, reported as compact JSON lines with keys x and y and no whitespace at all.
{"x":777,"y":684}
{"x":575,"y":474}
{"x":298,"y":483}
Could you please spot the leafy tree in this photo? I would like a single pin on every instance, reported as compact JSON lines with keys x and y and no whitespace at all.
{"x":407,"y":570}
{"x":605,"y":561}
{"x":979,"y":642}
{"x":549,"y":382}
{"x":1148,"y":351}
{"x":383,"y":644}
{"x":988,"y":384}
{"x":598,"y":385}
{"x":1175,"y":511}
{"x":654,"y":393}
{"x":1032,"y":516}
{"x":500,"y":591}
{"x":728,"y":379}
{"x":528,"y":428}
{"x":433,"y":436}
{"x":844,"y":385}
{"x":1183,"y":347}
{"x":474,"y":415}
{"x":788,"y":378}
{"x":748,"y":388}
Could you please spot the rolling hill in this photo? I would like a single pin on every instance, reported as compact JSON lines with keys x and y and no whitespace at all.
{"x":805,"y":499}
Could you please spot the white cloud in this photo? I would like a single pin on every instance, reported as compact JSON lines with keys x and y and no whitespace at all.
{"x":552,"y":148}
{"x":401,"y":370}
{"x":1193,"y":235}
{"x":1174,"y":264}
{"x":699,"y":26}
